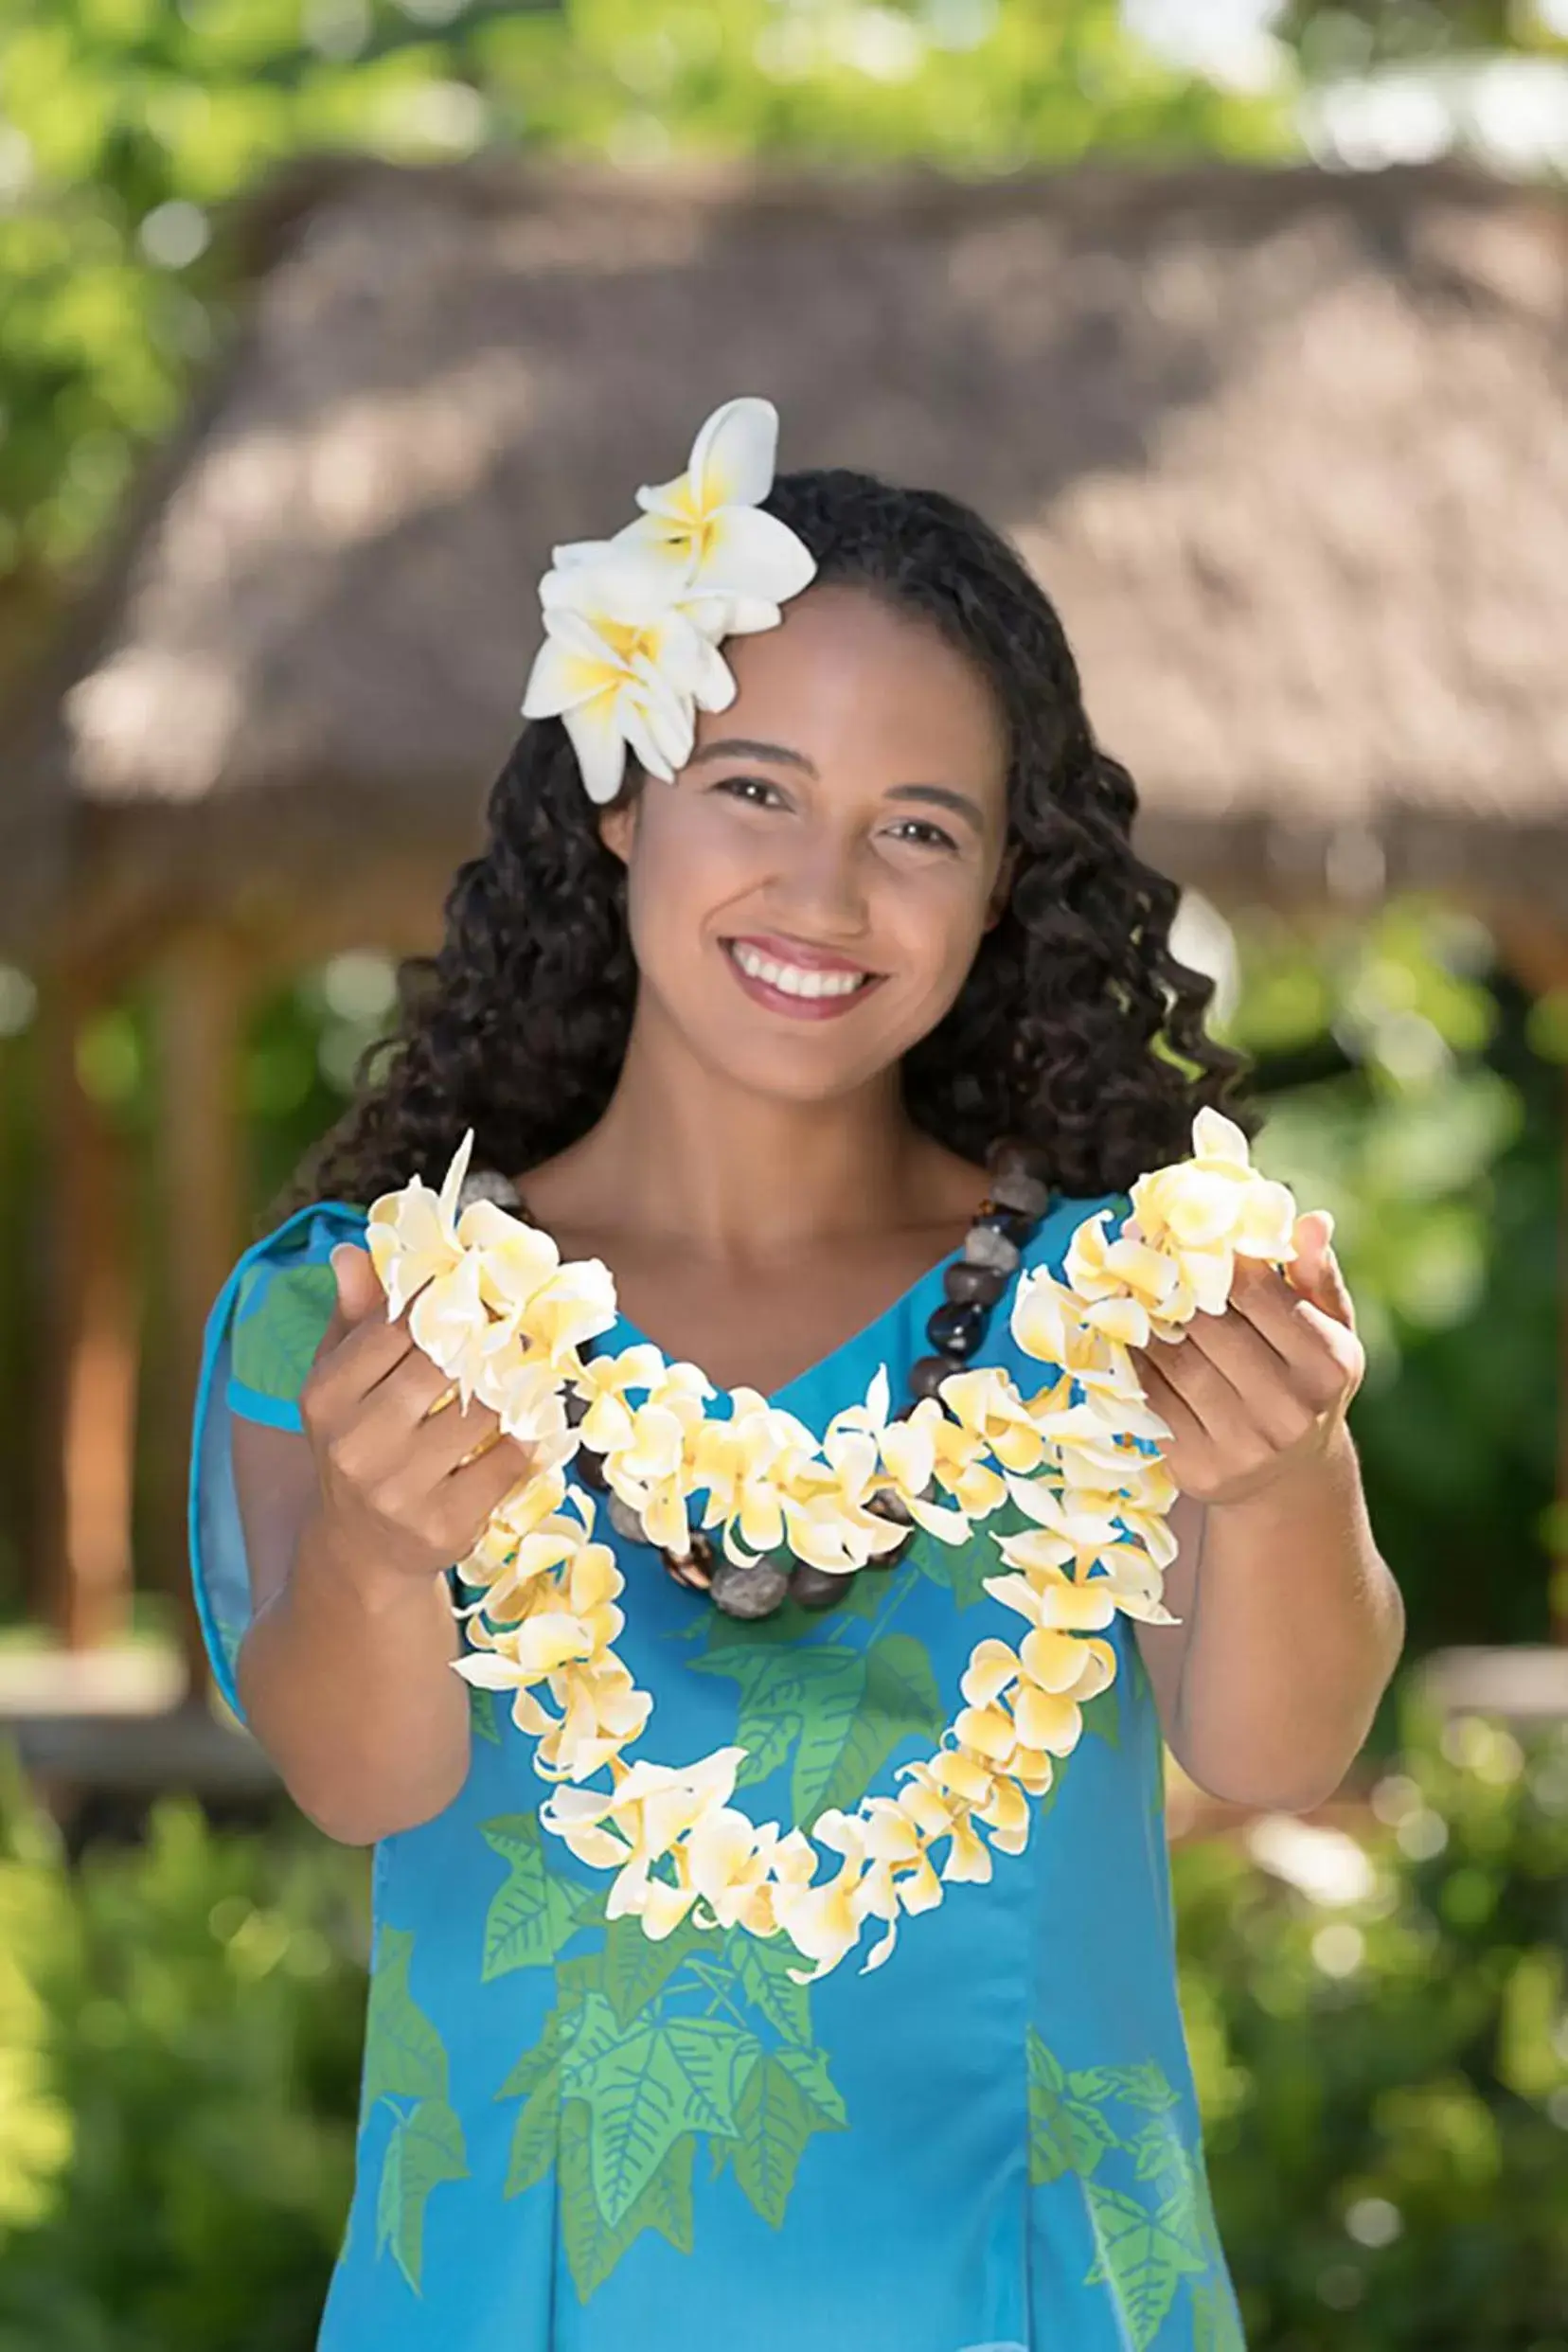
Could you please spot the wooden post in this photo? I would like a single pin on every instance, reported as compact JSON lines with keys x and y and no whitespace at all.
{"x":89,"y":1338}
{"x":200,"y":1198}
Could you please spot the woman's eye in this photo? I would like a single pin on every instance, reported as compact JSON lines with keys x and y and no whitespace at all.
{"x":754,"y":788}
{"x":924,"y":834}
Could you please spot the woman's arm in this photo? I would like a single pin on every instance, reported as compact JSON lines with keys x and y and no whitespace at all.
{"x":345,"y":1672}
{"x":1292,"y":1621}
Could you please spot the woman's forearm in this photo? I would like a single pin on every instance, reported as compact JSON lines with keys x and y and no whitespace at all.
{"x":1296,"y":1626}
{"x":347,"y":1683}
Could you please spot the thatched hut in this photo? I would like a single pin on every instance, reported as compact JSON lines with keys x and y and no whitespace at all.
{"x":1287,"y":448}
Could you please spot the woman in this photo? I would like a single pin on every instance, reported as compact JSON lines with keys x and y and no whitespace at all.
{"x":815,"y":988}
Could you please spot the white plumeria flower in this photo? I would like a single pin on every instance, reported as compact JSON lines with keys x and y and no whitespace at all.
{"x":1079,"y":1585}
{"x":748,"y":1464}
{"x":1086,"y":1326}
{"x":821,"y":1919}
{"x":420,"y":1248}
{"x":637,"y":1824}
{"x":989,"y":1407}
{"x":1213,"y":1208}
{"x":501,"y":1559}
{"x":649,"y":1454}
{"x":1077,"y":1524}
{"x":1096,"y":1440}
{"x":603,"y":1712}
{"x":898,"y":1874}
{"x":581,"y":1621}
{"x":603,"y":1384}
{"x":633,"y":623}
{"x":943,"y":1797}
{"x":906,"y":1453}
{"x":554,"y":1599}
{"x":1047,"y":1679}
{"x":449,"y":1323}
{"x":1127,"y":1288}
{"x":926,"y":1449}
{"x":541,"y":1312}
{"x":622,"y":665}
{"x":707,"y":528}
{"x":961,"y":1471}
{"x":728,"y":1862}
{"x":576,"y":1305}
{"x":412,"y":1235}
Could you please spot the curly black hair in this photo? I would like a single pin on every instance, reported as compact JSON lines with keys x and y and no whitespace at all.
{"x":1076,"y":1030}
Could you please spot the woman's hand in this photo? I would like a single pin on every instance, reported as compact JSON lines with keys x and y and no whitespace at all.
{"x":1253,"y":1394}
{"x":399,"y":1494}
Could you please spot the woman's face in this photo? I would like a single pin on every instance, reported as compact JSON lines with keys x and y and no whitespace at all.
{"x":806,"y":899}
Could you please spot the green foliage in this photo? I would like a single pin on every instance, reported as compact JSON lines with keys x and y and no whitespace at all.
{"x":1410,"y":1087}
{"x":1386,"y":2077}
{"x":1348,"y":36}
{"x":126,"y":128}
{"x":180,"y":2030}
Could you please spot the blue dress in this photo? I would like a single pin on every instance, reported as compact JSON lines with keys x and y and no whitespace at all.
{"x":574,"y":2139}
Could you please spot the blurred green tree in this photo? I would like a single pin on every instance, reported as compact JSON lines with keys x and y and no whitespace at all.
{"x":1411,"y":1087}
{"x":126,"y":124}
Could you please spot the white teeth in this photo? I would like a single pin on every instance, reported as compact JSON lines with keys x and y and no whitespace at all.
{"x":792,"y":979}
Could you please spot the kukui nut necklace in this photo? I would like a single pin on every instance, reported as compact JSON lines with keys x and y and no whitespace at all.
{"x":1016,"y":1199}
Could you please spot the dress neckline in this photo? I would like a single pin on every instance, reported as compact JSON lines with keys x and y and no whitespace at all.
{"x":625,"y":1333}
{"x":910,"y":1301}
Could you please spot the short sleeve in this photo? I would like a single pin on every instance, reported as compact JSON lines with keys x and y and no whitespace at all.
{"x":261,"y":1335}
{"x":281,"y":1308}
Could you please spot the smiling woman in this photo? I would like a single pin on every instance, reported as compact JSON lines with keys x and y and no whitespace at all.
{"x":813,"y":988}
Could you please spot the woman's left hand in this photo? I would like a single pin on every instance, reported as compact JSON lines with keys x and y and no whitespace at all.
{"x":1259,"y":1391}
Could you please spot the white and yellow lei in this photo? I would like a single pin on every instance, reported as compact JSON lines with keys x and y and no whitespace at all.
{"x":490,"y":1302}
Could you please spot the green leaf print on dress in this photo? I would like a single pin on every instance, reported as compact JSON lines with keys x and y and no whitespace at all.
{"x":1118,"y":2130}
{"x":654,"y":2047}
{"x":406,"y":2069}
{"x":835,"y":1713}
{"x":650,"y":2048}
{"x":532,"y":1914}
{"x":280,"y":1316}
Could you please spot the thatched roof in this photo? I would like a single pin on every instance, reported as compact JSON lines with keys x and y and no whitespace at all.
{"x":1287,"y":449}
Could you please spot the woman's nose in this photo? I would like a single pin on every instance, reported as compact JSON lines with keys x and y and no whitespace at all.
{"x":822,"y":890}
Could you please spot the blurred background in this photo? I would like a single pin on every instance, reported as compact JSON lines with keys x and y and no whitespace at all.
{"x":319,"y":321}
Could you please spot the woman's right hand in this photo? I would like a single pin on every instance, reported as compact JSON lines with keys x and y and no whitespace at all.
{"x":396,"y":1496}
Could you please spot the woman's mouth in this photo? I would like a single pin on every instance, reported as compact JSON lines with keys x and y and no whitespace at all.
{"x":801,"y":983}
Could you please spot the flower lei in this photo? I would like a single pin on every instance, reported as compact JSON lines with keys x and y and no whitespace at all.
{"x":490,"y":1302}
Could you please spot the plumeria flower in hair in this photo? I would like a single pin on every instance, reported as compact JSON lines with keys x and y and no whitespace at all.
{"x":622,"y":666}
{"x":633,"y":623}
{"x":736,"y":566}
